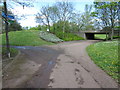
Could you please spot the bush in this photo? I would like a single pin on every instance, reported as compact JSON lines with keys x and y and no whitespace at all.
{"x":68,"y":36}
{"x":39,"y":27}
{"x":115,"y":37}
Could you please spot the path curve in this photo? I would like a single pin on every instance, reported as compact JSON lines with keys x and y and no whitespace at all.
{"x":75,"y":69}
{"x":65,"y":65}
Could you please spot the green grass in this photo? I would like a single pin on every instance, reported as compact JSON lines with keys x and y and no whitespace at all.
{"x":100,"y":36}
{"x":103,"y":36}
{"x":13,"y":52}
{"x":105,"y":55}
{"x":25,"y":38}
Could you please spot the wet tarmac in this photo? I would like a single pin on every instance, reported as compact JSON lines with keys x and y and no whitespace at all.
{"x":42,"y":55}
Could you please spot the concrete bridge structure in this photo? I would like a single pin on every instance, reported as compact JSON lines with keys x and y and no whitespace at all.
{"x":91,"y":34}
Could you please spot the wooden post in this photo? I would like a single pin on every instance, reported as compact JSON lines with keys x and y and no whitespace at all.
{"x":6,"y":30}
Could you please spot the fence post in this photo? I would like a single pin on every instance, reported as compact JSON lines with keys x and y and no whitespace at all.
{"x":6,"y":29}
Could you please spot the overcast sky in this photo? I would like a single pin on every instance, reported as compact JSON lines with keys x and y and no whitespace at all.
{"x":29,"y":12}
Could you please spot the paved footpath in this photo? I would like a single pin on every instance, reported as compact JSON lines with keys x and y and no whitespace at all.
{"x":65,"y":65}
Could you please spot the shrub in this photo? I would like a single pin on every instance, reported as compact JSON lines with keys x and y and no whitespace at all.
{"x":114,"y":37}
{"x":68,"y":36}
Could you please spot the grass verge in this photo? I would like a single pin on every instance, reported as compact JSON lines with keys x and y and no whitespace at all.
{"x":5,"y":59}
{"x":100,"y":36}
{"x":24,"y":38}
{"x":103,"y":36}
{"x":13,"y":52}
{"x":105,"y":55}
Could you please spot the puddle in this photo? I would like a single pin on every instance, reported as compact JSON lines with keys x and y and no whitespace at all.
{"x":19,"y":47}
{"x":50,"y":62}
{"x":49,"y":66}
{"x":34,"y":48}
{"x":23,"y":47}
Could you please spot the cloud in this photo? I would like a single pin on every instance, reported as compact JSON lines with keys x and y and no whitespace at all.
{"x":57,"y":0}
{"x":26,"y":11}
{"x":29,"y":14}
{"x":29,"y":21}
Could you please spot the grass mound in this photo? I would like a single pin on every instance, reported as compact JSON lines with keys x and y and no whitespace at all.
{"x":49,"y":37}
{"x":105,"y":55}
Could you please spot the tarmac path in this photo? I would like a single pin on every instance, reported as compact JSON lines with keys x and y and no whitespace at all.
{"x":64,"y":65}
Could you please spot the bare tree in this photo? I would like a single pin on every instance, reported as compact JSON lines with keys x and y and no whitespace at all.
{"x":87,"y":19}
{"x":77,"y":18}
{"x":65,"y":10}
{"x":44,"y":16}
{"x":84,"y":20}
{"x":53,"y":15}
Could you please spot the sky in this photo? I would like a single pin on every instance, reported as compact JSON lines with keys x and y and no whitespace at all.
{"x":30,"y":12}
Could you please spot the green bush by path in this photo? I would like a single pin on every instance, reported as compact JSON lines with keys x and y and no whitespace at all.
{"x":116,"y":37}
{"x":105,"y":55}
{"x":68,"y":36}
{"x":49,"y":37}
{"x":24,"y":38}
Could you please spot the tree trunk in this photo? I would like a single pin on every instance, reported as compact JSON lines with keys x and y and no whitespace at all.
{"x":53,"y":28}
{"x":112,"y":33}
{"x":63,"y":29}
{"x":106,"y":35}
{"x":48,"y":23}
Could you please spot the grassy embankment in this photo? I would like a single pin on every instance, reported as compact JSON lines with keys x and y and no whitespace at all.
{"x":105,"y":55}
{"x":25,"y":38}
{"x":34,"y":38}
{"x":22,"y":38}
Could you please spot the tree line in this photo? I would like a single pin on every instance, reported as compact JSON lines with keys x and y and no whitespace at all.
{"x":63,"y":16}
{"x":107,"y":15}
